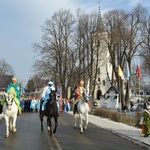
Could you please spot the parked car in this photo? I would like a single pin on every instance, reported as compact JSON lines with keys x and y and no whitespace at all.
{"x":140,"y":107}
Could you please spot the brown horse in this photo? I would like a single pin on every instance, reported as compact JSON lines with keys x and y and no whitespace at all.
{"x":51,"y":111}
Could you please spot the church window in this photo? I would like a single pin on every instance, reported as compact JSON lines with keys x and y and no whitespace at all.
{"x":98,"y":71}
{"x":103,"y":82}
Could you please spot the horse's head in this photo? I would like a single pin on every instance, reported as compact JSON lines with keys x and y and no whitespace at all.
{"x":9,"y":100}
{"x":85,"y":96}
{"x":52,"y":96}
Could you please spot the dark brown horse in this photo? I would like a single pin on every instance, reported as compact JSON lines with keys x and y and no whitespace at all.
{"x":51,"y":111}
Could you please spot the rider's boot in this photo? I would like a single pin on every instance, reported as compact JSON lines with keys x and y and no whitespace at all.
{"x":19,"y":111}
{"x":1,"y":108}
{"x":75,"y":109}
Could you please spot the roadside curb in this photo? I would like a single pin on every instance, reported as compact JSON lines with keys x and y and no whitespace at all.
{"x":125,"y":136}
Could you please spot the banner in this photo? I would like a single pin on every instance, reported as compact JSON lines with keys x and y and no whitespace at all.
{"x":120,"y":73}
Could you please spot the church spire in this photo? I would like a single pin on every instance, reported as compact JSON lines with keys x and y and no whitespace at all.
{"x":99,"y":21}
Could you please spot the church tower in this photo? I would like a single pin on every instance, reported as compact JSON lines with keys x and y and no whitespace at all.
{"x":101,"y":60}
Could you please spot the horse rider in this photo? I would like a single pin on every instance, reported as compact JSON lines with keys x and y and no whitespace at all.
{"x":14,"y":88}
{"x":78,"y":94}
{"x":45,"y":95}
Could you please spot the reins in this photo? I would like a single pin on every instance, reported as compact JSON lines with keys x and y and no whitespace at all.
{"x":51,"y":101}
{"x":52,"y":98}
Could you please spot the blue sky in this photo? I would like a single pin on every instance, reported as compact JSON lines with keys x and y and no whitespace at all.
{"x":21,"y":21}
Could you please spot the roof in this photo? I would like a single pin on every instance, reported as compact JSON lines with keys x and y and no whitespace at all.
{"x":4,"y":81}
{"x":112,"y":88}
{"x":100,"y":26}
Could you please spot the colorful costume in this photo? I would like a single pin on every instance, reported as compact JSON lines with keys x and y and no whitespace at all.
{"x":78,"y":94}
{"x":15,"y":89}
{"x":146,"y":116}
{"x":45,"y":95}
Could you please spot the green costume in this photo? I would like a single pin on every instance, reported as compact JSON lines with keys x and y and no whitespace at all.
{"x":15,"y":89}
{"x":146,"y":116}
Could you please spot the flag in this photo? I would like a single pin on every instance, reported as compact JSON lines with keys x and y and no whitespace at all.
{"x":128,"y":72}
{"x":120,"y":73}
{"x":138,"y":70}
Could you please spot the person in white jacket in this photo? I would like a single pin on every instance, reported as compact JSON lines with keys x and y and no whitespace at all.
{"x":46,"y":92}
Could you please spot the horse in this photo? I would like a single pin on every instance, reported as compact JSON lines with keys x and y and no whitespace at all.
{"x":1,"y":108}
{"x":10,"y":111}
{"x":51,"y":111}
{"x":82,"y":110}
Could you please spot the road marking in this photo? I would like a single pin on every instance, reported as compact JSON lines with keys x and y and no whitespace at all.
{"x":56,"y":142}
{"x":54,"y":139}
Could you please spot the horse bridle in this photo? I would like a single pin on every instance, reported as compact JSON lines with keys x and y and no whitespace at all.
{"x":85,"y":97}
{"x":51,"y":102}
{"x":52,"y":99}
{"x":9,"y":102}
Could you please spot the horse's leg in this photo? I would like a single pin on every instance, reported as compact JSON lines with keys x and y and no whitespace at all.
{"x":49,"y":125}
{"x":14,"y":124}
{"x":7,"y":126}
{"x":86,"y":121}
{"x":75,"y":120}
{"x":10,"y":124}
{"x":41,"y":115}
{"x":56,"y":123}
{"x":81,"y":123}
{"x":41,"y":118}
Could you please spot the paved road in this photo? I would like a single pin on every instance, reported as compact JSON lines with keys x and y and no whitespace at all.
{"x":30,"y":137}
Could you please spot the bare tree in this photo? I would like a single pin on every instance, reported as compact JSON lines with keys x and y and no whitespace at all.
{"x":146,"y":44}
{"x":55,"y":48}
{"x":88,"y":40}
{"x":5,"y":68}
{"x":123,"y":42}
{"x":72,"y":45}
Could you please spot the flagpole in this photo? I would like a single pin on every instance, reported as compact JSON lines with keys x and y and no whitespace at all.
{"x":119,"y":95}
{"x":139,"y":76}
{"x":139,"y":90}
{"x":120,"y":99}
{"x":121,"y":77}
{"x":128,"y":85}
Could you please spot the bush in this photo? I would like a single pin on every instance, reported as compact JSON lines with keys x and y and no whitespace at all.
{"x":138,"y":117}
{"x":117,"y":116}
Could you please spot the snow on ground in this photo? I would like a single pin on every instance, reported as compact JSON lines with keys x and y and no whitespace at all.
{"x":127,"y":131}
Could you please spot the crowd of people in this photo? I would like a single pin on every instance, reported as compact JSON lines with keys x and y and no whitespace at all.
{"x":32,"y":104}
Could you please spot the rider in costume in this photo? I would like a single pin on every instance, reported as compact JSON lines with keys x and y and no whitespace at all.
{"x":78,"y":93}
{"x":14,"y":88}
{"x":146,"y":117}
{"x":45,"y":94}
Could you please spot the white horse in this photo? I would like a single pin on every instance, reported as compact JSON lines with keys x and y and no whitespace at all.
{"x":10,"y":111}
{"x":83,"y":110}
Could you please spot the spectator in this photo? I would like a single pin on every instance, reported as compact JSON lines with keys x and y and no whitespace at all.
{"x":146,"y":120}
